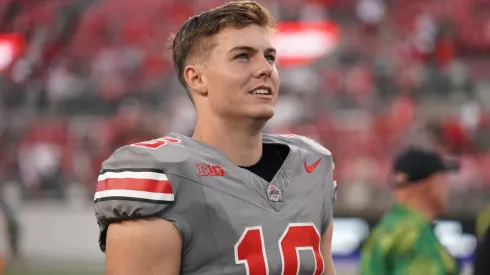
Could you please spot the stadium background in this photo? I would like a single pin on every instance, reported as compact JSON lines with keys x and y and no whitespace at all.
{"x":79,"y":78}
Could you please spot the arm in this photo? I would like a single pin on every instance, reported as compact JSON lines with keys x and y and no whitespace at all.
{"x":146,"y":246}
{"x":326,"y":247}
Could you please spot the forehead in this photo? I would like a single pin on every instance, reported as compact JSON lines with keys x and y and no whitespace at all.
{"x":252,"y":36}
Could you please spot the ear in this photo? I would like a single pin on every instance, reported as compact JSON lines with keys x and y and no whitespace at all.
{"x":194,"y":78}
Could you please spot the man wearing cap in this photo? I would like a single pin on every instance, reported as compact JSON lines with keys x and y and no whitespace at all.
{"x":403,"y":242}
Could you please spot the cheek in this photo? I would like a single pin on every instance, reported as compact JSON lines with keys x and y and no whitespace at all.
{"x":276,"y":80}
{"x":222,"y":91}
{"x":226,"y":81}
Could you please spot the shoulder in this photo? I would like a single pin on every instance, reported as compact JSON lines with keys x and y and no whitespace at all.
{"x":311,"y":148}
{"x":142,"y":167}
{"x":164,"y":153}
{"x":302,"y":142}
{"x":168,"y":149}
{"x":134,"y":182}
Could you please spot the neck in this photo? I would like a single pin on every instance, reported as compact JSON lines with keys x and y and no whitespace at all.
{"x":414,"y":202}
{"x":241,"y":141}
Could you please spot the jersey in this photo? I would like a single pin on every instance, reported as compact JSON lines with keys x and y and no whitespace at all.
{"x":231,"y":220}
{"x":403,"y":243}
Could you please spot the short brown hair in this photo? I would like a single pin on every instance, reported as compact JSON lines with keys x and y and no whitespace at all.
{"x":193,"y":35}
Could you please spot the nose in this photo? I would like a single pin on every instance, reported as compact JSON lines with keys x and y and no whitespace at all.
{"x":263,"y":68}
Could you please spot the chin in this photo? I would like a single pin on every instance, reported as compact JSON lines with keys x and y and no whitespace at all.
{"x":263,"y":113}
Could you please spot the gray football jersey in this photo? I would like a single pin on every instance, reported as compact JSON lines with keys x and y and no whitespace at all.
{"x":231,"y":220}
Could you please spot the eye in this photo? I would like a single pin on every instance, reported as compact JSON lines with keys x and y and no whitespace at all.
{"x":242,"y":56}
{"x":270,"y":58}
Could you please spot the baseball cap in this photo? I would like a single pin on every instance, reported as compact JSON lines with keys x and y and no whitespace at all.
{"x":414,"y":164}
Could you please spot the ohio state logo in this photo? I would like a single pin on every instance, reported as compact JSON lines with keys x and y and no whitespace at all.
{"x":274,"y":194}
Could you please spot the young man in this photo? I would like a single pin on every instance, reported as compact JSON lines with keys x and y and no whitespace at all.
{"x":229,"y":200}
{"x":403,"y":242}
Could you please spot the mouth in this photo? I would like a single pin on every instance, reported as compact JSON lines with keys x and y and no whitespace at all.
{"x":263,"y":90}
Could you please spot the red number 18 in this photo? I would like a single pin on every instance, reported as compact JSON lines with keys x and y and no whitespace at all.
{"x":250,"y":249}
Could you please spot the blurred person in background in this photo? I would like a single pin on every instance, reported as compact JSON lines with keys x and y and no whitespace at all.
{"x":403,"y":242}
{"x":482,"y":253}
{"x":13,"y":230}
{"x":231,"y":199}
{"x":483,"y":222}
{"x":9,"y":215}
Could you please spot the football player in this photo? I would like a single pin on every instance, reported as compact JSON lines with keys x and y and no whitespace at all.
{"x":230,"y":199}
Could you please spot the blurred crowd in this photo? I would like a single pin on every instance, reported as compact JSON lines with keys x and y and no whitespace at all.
{"x":94,"y":75}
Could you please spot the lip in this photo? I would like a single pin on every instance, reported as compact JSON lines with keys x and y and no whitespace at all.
{"x":263,"y":97}
{"x":265,"y":87}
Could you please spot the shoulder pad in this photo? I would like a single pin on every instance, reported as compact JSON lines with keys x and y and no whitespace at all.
{"x":164,"y":150}
{"x":305,"y":141}
{"x":157,"y":143}
{"x":131,"y":184}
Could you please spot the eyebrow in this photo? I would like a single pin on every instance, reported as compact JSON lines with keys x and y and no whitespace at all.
{"x":252,"y":49}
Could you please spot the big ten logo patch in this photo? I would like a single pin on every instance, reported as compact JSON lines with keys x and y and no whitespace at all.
{"x":210,"y":170}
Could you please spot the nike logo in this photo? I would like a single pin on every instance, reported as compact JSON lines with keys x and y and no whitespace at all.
{"x":311,"y":168}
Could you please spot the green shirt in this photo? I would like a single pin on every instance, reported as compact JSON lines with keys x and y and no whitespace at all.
{"x":483,"y":222}
{"x":403,"y":243}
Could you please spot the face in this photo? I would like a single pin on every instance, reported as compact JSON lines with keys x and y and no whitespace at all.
{"x":438,"y":192}
{"x":240,"y":79}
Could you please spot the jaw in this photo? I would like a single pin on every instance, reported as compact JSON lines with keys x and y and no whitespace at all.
{"x":261,"y":114}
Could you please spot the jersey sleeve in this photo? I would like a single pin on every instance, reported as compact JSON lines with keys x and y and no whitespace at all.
{"x":131,"y":185}
{"x":331,"y":195}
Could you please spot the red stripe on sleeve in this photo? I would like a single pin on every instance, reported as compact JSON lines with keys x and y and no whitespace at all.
{"x":147,"y":185}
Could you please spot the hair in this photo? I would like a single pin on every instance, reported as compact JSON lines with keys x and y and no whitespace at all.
{"x":194,"y":36}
